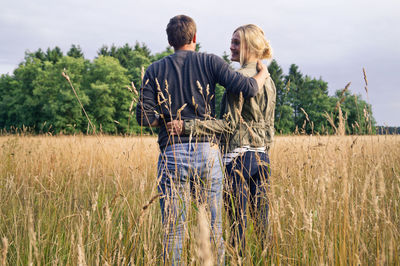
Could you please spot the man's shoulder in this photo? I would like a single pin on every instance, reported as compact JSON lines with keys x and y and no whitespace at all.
{"x":209,"y":56}
{"x":197,"y":55}
{"x":158,"y":65}
{"x":210,"y":61}
{"x":161,"y":61}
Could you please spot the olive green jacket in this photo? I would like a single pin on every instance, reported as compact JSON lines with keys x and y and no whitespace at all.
{"x":244,"y":122}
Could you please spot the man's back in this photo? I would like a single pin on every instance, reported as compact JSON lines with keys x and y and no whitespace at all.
{"x":182,"y":85}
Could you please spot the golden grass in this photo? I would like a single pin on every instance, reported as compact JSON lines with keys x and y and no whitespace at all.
{"x":79,"y":200}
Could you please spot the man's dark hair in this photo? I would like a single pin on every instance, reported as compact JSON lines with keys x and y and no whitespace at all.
{"x":180,"y":30}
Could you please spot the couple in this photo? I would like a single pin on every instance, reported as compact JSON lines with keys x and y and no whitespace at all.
{"x":177,"y":95}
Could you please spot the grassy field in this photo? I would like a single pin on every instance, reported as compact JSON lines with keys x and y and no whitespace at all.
{"x":90,"y":200}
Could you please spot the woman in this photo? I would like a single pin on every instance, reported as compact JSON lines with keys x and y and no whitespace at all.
{"x":247,"y":129}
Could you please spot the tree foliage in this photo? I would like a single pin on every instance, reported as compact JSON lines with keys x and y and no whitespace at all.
{"x":303,"y":103}
{"x":37,"y":96}
{"x":109,"y":96}
{"x":283,"y":112}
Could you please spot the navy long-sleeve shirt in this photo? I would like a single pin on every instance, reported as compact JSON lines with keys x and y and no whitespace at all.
{"x":182,"y":85}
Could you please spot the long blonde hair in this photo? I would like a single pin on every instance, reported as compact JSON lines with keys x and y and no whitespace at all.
{"x":252,"y":41}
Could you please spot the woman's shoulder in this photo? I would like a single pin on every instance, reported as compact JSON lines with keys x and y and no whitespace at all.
{"x":248,"y":69}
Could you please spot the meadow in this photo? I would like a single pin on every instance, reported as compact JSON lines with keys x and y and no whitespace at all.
{"x":90,"y":200}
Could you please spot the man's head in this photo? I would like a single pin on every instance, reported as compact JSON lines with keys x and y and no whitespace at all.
{"x":181,"y":30}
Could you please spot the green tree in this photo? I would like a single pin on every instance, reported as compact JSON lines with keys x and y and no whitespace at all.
{"x":225,"y":56}
{"x":39,"y":54}
{"x":198,"y":47}
{"x":9,"y":87}
{"x":53,"y":55}
{"x":283,"y":111}
{"x":315,"y":101}
{"x":103,"y":51}
{"x":136,"y":67}
{"x":143,"y":49}
{"x":132,"y":59}
{"x":356,"y":111}
{"x":37,"y":95}
{"x":75,"y":51}
{"x":168,"y":51}
{"x":22,"y":106}
{"x":55,"y":101}
{"x":109,"y":97}
{"x":309,"y":99}
{"x":295,"y":83}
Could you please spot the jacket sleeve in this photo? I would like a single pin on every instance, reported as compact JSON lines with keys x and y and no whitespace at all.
{"x":197,"y":127}
{"x":147,"y":107}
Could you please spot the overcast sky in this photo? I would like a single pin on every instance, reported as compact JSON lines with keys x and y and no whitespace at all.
{"x":330,"y":39}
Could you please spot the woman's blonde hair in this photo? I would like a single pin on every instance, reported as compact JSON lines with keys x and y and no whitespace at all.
{"x":252,"y":41}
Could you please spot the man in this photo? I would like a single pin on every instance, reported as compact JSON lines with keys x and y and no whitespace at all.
{"x":182,"y":86}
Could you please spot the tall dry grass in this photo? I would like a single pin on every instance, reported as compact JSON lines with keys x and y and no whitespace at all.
{"x":77,"y":200}
{"x":91,"y":200}
{"x":334,"y":200}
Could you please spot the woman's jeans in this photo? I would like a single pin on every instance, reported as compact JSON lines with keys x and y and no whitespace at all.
{"x":189,"y":171}
{"x":247,"y":181}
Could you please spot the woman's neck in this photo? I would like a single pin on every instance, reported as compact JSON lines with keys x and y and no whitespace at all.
{"x":251,"y":59}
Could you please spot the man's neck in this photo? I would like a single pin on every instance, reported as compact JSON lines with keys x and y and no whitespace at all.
{"x":187,"y":47}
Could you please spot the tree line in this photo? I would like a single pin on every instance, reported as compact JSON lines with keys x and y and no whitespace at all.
{"x":37,"y":96}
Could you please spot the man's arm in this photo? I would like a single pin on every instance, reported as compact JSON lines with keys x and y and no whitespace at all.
{"x":146,"y":108}
{"x":199,"y":127}
{"x":236,"y":83}
{"x":262,"y":74}
{"x":156,"y":123}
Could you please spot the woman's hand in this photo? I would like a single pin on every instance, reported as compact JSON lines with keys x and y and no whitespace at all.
{"x":175,"y":127}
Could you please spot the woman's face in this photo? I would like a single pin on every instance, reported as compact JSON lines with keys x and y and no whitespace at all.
{"x":235,"y":47}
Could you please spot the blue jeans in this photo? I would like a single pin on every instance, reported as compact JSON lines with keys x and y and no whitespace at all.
{"x":247,"y":180}
{"x":189,"y":171}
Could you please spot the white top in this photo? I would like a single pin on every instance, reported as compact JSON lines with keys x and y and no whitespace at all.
{"x":228,"y":157}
